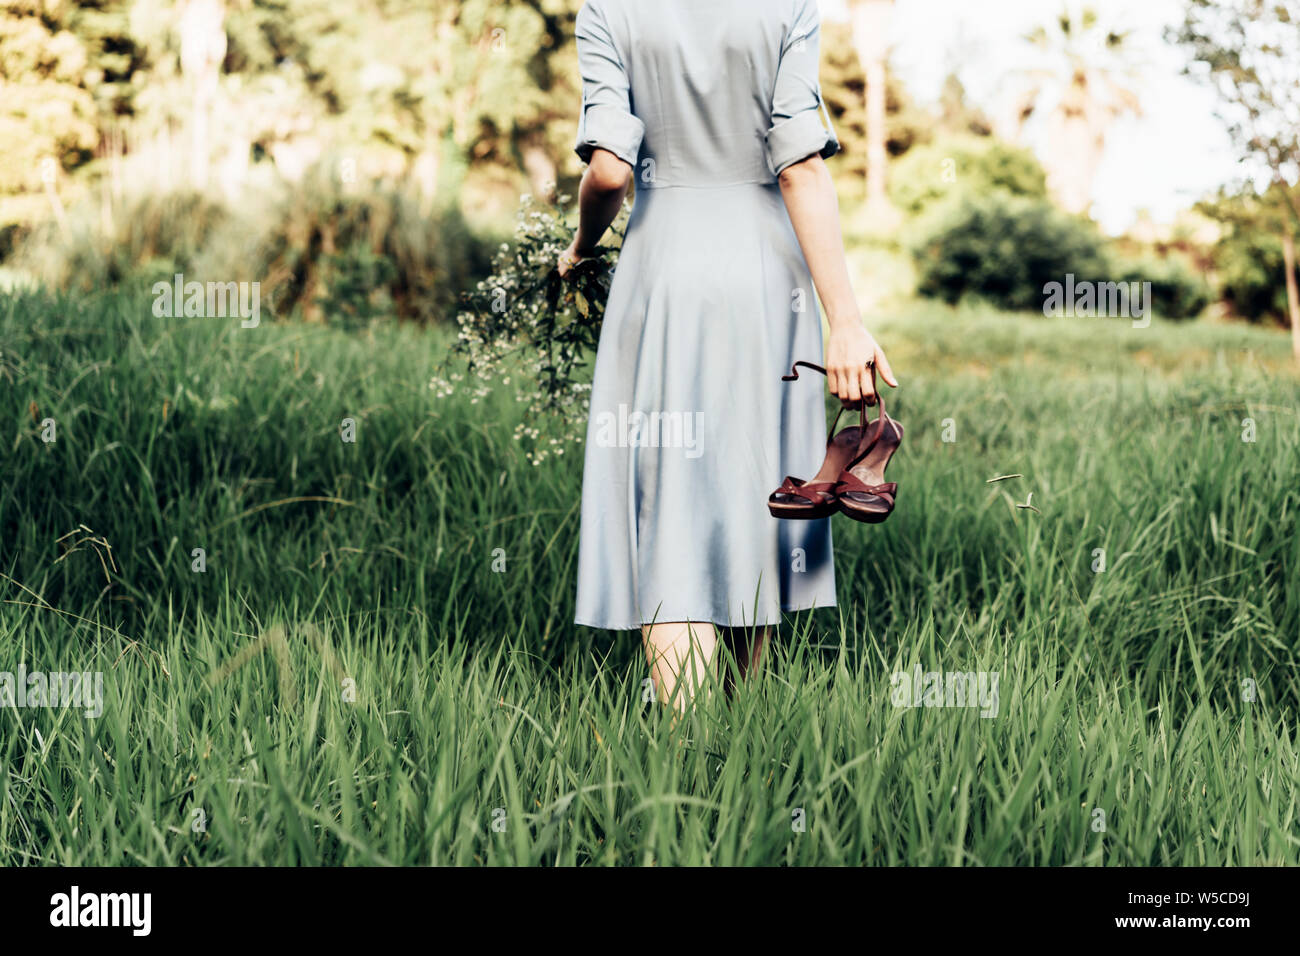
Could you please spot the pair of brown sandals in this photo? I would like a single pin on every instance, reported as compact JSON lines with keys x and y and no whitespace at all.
{"x":852,"y":477}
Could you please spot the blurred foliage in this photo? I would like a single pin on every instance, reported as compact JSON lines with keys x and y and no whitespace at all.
{"x":47,"y":110}
{"x":1251,"y":277}
{"x":315,"y":146}
{"x":964,"y":165}
{"x":333,"y":152}
{"x":406,"y":88}
{"x":106,"y":243}
{"x":357,"y":290}
{"x":843,"y":88}
{"x":1248,"y":255}
{"x":314,"y":245}
{"x":322,"y":252}
{"x":1003,"y":249}
{"x":1246,"y":49}
{"x":956,"y":115}
{"x":1083,"y":75}
{"x":1177,"y":291}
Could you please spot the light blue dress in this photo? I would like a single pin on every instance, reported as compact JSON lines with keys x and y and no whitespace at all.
{"x":691,"y":427}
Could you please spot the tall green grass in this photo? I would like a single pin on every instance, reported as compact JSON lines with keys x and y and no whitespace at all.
{"x":488,"y":729}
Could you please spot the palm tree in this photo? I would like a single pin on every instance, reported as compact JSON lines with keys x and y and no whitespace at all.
{"x":1084,"y":81}
{"x":203,"y":48}
{"x":871,"y":20}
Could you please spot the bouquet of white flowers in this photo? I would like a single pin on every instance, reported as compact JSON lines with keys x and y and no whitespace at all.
{"x":527,"y":320}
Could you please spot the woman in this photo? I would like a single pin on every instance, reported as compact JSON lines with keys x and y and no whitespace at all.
{"x":715,"y":109}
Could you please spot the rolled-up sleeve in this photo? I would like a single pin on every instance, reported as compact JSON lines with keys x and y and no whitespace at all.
{"x":797,"y":129}
{"x":607,"y":121}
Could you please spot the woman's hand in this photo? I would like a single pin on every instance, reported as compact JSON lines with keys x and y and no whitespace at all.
{"x":850,"y":351}
{"x":571,"y":256}
{"x":568,"y":258}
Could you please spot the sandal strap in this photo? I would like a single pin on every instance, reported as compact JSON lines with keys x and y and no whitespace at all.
{"x":794,"y":370}
{"x":862,"y":407}
{"x":851,"y":482}
{"x":794,"y":377}
{"x":805,"y":490}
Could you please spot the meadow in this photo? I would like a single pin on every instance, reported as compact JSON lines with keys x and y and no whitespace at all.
{"x":376,"y":663}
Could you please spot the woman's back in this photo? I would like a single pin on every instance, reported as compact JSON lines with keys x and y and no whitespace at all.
{"x":702,"y":92}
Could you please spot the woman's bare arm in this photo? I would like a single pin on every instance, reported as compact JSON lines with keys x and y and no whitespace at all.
{"x":600,"y":197}
{"x":814,"y":211}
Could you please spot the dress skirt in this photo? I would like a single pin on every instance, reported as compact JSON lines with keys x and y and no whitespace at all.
{"x":691,"y":427}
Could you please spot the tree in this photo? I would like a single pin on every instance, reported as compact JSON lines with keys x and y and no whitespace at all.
{"x":956,"y":114}
{"x":1247,"y":50}
{"x":907,"y":125}
{"x":1084,"y":81}
{"x":1249,"y":261}
{"x":47,"y":115}
{"x":417,"y":89}
{"x":871,"y":19}
{"x":203,"y":48}
{"x":425,"y":79}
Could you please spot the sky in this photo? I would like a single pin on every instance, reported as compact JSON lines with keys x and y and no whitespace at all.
{"x":1161,"y":162}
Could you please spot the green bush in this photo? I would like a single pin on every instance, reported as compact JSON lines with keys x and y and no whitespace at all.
{"x":1247,"y":258}
{"x":964,"y":166}
{"x":1176,"y":291}
{"x":1252,"y":277}
{"x":109,"y":242}
{"x":357,"y":289}
{"x":317,"y":242}
{"x":317,"y":250}
{"x":1003,"y":249}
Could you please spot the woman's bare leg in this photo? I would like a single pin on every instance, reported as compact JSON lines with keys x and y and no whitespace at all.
{"x":747,"y":645}
{"x":755,"y":646}
{"x":681,"y":655}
